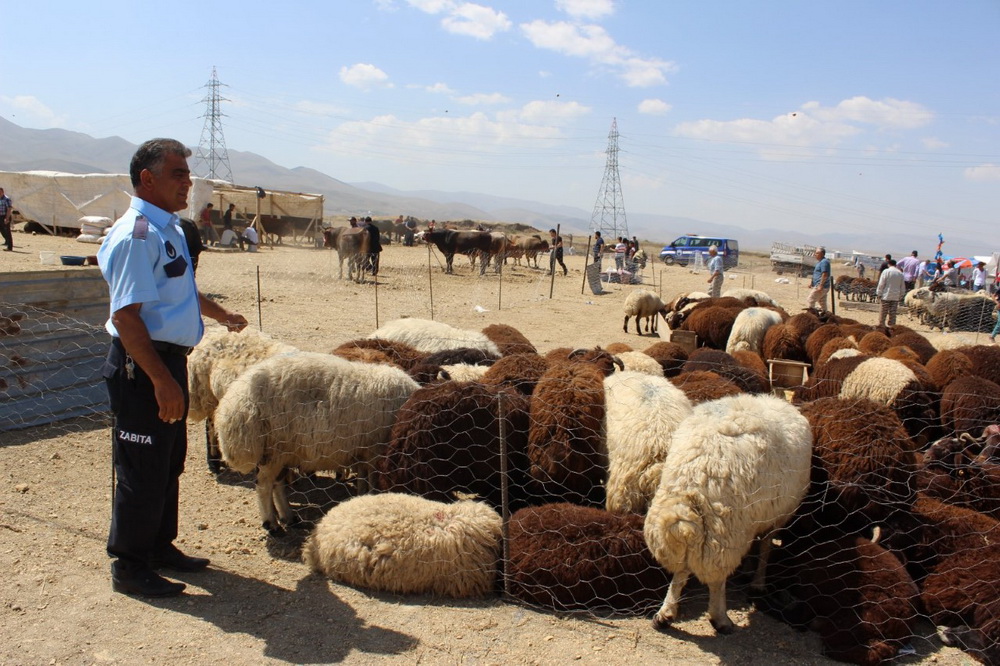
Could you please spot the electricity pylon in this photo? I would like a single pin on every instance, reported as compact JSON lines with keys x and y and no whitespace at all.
{"x":212,"y":158}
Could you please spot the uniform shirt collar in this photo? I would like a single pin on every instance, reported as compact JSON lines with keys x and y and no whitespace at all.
{"x":159,"y":217}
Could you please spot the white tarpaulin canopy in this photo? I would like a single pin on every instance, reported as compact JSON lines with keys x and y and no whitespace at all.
{"x":61,"y":199}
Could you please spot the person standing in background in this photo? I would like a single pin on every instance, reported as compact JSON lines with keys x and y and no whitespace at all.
{"x":557,"y":253}
{"x":208,"y":234}
{"x":6,"y":216}
{"x":979,"y":277}
{"x":715,"y":271}
{"x":890,"y":291}
{"x":820,"y":281}
{"x":155,"y":320}
{"x":910,"y":266}
{"x":598,"y":248}
{"x":227,"y":217}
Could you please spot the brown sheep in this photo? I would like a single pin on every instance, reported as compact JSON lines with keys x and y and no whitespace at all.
{"x":819,"y":337}
{"x":567,"y":557}
{"x":520,"y":372}
{"x":969,"y":404}
{"x":401,"y":353}
{"x":509,"y":340}
{"x":948,"y":365}
{"x":702,"y":386}
{"x":874,"y":343}
{"x":783,"y":342}
{"x":670,"y":355}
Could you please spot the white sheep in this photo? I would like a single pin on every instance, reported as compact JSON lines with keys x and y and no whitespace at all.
{"x":408,"y":545}
{"x":218,"y":359}
{"x":761,"y":297}
{"x":749,"y":328}
{"x":433,"y":336}
{"x":463,"y":372}
{"x":643,"y":412}
{"x":637,"y":361}
{"x":643,"y":305}
{"x":310,"y":411}
{"x":737,"y":468}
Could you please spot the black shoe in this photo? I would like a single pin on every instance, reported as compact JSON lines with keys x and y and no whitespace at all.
{"x":145,"y":583}
{"x":175,"y":560}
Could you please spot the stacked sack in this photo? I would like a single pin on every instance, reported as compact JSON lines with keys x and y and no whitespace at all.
{"x":93,"y":228}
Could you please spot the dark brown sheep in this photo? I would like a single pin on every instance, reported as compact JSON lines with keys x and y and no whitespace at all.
{"x":783,"y":342}
{"x":401,"y":354}
{"x":831,"y":347}
{"x":567,"y":557}
{"x":509,"y":340}
{"x":802,"y":325}
{"x":969,"y":404}
{"x":520,"y":372}
{"x":712,"y":324}
{"x":947,"y":365}
{"x":819,"y":337}
{"x":920,"y":345}
{"x":985,"y":361}
{"x":874,"y":343}
{"x":566,"y":443}
{"x":670,"y":355}
{"x":855,"y":594}
{"x":446,"y":440}
{"x":702,"y":386}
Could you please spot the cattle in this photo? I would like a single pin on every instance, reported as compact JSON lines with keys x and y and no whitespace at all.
{"x":352,"y":244}
{"x":451,"y":242}
{"x":529,"y":247}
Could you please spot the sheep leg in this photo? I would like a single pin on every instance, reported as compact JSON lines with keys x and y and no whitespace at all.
{"x":763,"y":554}
{"x":266,"y":479}
{"x":625,"y":328}
{"x":279,"y":495}
{"x":717,"y":608}
{"x":668,"y":611}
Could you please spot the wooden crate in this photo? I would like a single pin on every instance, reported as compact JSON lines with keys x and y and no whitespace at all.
{"x":688,"y":340}
{"x":786,"y":374}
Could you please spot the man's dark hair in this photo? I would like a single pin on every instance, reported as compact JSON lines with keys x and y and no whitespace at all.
{"x":597,"y":233}
{"x":888,"y":257}
{"x":892,"y":262}
{"x":209,"y":205}
{"x":151,"y":154}
{"x":552,"y":231}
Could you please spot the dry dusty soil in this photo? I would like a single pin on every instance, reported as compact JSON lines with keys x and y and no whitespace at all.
{"x":258,"y":604}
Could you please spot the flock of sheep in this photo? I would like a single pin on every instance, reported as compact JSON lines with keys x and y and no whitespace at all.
{"x":864,"y":503}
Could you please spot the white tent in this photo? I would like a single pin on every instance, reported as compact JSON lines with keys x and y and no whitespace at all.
{"x":60,"y":199}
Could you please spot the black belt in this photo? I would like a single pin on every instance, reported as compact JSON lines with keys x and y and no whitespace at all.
{"x":171,"y":348}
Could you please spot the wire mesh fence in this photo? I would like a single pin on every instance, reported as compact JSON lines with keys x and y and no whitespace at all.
{"x":858,"y":500}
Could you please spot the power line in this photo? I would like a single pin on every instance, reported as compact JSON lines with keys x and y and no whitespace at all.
{"x":212,"y":153}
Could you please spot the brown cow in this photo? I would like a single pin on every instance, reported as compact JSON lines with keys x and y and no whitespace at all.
{"x":531,"y":246}
{"x":352,"y":244}
{"x":450,"y":242}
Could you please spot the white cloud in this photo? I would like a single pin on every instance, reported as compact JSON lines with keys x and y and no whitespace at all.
{"x":475,"y":21}
{"x":814,"y":126}
{"x":543,"y":112}
{"x":432,"y":6}
{"x":29,"y":110}
{"x":654,"y":107}
{"x":480,"y":99}
{"x":465,"y":18}
{"x":593,"y":43}
{"x":439,"y":88}
{"x":587,"y":9}
{"x":933,"y":143}
{"x":888,"y":113}
{"x":531,"y":125}
{"x":983,"y":173}
{"x":363,"y":75}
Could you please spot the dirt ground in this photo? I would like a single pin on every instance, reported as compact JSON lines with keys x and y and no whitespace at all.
{"x":258,"y":604}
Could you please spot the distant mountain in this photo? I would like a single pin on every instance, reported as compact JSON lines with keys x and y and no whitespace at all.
{"x":73,"y":152}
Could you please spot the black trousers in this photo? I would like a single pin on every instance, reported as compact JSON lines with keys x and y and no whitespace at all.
{"x":148,"y":456}
{"x":8,"y":237}
{"x":557,"y":255}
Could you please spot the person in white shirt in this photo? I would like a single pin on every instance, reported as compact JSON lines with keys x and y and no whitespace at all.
{"x":229,"y":238}
{"x":249,"y":239}
{"x":715,"y":271}
{"x":890,"y":290}
{"x":979,"y":277}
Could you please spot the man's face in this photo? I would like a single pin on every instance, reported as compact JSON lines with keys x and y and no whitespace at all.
{"x":168,"y":187}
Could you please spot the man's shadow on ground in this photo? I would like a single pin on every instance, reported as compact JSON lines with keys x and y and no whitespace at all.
{"x":309,"y":624}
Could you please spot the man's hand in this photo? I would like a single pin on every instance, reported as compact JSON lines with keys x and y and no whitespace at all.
{"x":234,"y":322}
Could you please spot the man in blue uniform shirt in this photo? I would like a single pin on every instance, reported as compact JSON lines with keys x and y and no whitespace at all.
{"x":155,"y":319}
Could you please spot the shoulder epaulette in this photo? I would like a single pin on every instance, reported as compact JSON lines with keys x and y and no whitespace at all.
{"x":141,"y":228}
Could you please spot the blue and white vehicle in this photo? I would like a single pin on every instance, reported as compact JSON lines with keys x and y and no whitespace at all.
{"x":684,"y":249}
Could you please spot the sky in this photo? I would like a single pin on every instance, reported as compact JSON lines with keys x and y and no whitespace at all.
{"x":839,"y":115}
